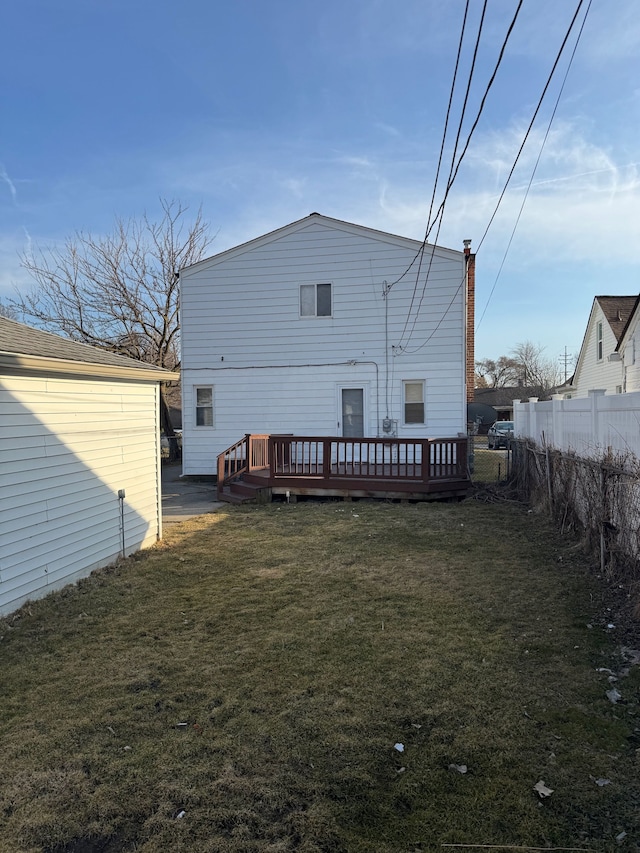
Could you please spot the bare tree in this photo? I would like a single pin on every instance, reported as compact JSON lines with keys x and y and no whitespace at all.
{"x":525,"y":366}
{"x":498,"y":373}
{"x":119,"y":292}
{"x":7,"y":311}
{"x":537,"y":372}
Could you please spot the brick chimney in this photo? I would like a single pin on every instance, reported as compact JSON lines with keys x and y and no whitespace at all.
{"x":470,"y":261}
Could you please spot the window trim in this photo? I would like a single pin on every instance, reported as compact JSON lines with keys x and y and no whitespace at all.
{"x":315,"y":285}
{"x":599,"y":341}
{"x":423,"y":384}
{"x":198,"y":408}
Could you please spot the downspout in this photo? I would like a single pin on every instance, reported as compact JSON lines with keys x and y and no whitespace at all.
{"x":385,"y":296}
{"x":470,"y":277}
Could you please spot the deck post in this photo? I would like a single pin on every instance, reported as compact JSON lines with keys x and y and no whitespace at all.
{"x":248,"y":449}
{"x":426,"y":460}
{"x":271,"y":442}
{"x":326,"y":458}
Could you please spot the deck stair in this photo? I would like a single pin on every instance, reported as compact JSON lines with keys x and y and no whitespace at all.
{"x":260,"y":466}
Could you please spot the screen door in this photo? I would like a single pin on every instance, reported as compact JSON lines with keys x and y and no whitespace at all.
{"x":352,"y":412}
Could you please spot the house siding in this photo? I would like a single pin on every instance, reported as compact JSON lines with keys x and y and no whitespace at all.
{"x":614,"y":312}
{"x":275,"y":371}
{"x":68,"y":445}
{"x":591,"y":373}
{"x":631,"y":355}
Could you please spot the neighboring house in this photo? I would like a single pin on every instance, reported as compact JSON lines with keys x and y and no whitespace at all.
{"x":325,"y":328}
{"x":501,"y":399}
{"x":78,"y":426}
{"x":599,"y":364}
{"x":629,"y":350}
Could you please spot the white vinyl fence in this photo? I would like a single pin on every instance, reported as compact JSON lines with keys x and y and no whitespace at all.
{"x":587,"y":426}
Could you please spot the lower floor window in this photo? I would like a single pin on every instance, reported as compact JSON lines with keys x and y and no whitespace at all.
{"x":413,"y":402}
{"x":204,"y":406}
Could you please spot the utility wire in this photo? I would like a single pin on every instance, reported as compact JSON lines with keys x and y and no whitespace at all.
{"x":421,"y":250}
{"x":446,"y":121}
{"x":453,"y":172}
{"x":480,"y":110}
{"x":444,"y":136}
{"x":535,"y":168}
{"x":544,"y":91}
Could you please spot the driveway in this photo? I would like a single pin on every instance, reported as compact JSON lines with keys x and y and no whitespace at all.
{"x":184,"y":498}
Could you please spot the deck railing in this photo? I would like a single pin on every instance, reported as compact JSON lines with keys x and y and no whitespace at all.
{"x":423,"y":460}
{"x":327,"y":459}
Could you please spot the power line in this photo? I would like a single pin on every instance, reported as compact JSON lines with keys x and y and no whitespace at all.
{"x":555,"y":64}
{"x":456,"y":166}
{"x":535,"y":168}
{"x":453,"y":157}
{"x":480,"y":109}
{"x":442,"y":144}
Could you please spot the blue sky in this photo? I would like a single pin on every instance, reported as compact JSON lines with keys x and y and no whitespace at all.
{"x":263,"y":112}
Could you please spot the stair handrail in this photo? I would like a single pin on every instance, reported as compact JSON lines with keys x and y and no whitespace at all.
{"x":248,"y":454}
{"x":233,"y":462}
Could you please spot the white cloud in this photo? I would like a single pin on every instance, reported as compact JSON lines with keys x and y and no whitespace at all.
{"x":4,"y":176}
{"x":581,"y":200}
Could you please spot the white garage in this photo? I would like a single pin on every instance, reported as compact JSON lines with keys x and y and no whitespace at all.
{"x":79,"y":460}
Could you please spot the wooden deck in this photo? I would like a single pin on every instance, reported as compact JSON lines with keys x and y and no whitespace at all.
{"x":260,"y":466}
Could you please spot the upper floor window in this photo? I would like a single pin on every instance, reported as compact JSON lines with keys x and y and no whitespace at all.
{"x":414,"y":402}
{"x":315,"y":300}
{"x":204,"y":406}
{"x":599,"y":343}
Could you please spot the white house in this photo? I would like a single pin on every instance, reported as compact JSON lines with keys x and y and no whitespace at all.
{"x":629,"y":350}
{"x":599,"y":364}
{"x":325,"y":328}
{"x":79,"y":460}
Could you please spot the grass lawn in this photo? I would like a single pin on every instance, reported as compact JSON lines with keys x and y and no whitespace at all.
{"x":241,"y":687}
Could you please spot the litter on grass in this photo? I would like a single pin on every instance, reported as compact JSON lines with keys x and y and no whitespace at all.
{"x":602,"y":782}
{"x":399,"y":747}
{"x":541,"y":789}
{"x":459,"y":768}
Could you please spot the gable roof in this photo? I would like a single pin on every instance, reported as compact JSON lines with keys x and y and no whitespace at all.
{"x":617,"y":310}
{"x":628,"y":324}
{"x":316,"y":219}
{"x":23,"y":347}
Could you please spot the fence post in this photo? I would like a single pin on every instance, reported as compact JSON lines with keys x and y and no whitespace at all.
{"x":595,"y":395}
{"x":557,"y":419}
{"x":533,"y":420}
{"x":549,"y":486}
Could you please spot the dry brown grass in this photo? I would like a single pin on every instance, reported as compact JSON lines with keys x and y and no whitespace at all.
{"x":242,"y":686}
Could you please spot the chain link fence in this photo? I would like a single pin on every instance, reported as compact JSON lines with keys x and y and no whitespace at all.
{"x":488,"y":465}
{"x":598,"y":499}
